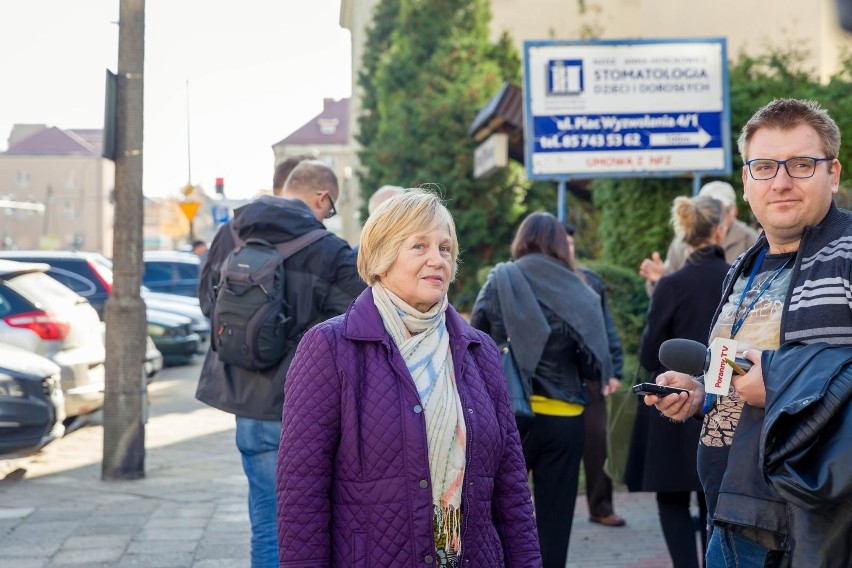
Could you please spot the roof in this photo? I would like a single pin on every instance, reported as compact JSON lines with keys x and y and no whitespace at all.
{"x":504,"y":107}
{"x":331,"y":126}
{"x":54,"y":141}
{"x":10,"y":268}
{"x":502,"y":113}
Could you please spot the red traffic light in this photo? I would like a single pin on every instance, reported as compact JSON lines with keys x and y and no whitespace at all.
{"x":220,"y":186}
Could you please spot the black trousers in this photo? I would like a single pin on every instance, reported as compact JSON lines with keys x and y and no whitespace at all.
{"x":553,"y":448}
{"x":679,"y":527}
{"x":598,"y":483}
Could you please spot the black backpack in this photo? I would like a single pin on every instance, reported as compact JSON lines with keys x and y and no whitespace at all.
{"x":250,"y":319}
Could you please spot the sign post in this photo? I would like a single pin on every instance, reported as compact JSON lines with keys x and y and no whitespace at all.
{"x":626,"y":108}
{"x":190,"y":208}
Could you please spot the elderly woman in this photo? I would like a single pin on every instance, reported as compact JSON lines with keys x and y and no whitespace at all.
{"x":557,"y":329}
{"x":398,"y":442}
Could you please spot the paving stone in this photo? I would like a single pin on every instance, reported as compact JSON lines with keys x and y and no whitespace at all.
{"x":169,"y":534}
{"x":156,"y":546}
{"x":165,"y":560}
{"x":87,"y":557}
{"x":96,"y":541}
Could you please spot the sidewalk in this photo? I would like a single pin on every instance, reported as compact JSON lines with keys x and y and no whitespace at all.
{"x":190,"y":510}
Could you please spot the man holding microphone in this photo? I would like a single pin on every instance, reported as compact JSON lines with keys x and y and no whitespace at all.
{"x":771,"y":459}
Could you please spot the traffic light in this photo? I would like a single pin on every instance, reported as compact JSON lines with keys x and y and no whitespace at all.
{"x":220,"y":186}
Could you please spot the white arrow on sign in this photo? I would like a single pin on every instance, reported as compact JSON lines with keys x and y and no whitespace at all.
{"x":700,"y":138}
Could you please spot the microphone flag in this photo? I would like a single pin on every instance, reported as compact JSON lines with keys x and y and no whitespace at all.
{"x":717,"y":379}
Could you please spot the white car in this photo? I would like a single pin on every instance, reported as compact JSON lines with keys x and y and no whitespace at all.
{"x":44,"y":317}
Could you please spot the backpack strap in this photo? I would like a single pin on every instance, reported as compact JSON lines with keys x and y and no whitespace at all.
{"x":289,"y":248}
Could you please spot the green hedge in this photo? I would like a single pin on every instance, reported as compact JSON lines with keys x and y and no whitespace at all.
{"x":628,"y":304}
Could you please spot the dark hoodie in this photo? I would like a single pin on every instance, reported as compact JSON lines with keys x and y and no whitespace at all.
{"x":322,"y":280}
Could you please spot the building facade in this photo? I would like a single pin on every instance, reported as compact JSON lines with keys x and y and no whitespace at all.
{"x":62,"y":172}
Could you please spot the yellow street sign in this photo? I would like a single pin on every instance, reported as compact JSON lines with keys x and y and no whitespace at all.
{"x":187,"y":189}
{"x":189,"y":208}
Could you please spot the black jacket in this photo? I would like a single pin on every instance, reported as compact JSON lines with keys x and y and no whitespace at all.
{"x":805,"y":448}
{"x":597,"y":284}
{"x":563,"y":364}
{"x":322,"y":280}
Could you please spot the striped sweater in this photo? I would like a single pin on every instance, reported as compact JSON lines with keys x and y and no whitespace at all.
{"x":820,"y":288}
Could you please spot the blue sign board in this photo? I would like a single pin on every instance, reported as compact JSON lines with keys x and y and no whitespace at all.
{"x":626,"y":108}
{"x":221,"y":214}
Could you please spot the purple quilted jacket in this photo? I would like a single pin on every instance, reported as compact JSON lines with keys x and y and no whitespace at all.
{"x":353,"y":471}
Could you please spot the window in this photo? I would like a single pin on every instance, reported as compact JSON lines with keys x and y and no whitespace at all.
{"x":22,"y":180}
{"x":187,"y":271}
{"x":78,"y":284}
{"x":157,"y":272}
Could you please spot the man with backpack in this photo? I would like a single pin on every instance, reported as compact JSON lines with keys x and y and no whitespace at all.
{"x":259,"y":311}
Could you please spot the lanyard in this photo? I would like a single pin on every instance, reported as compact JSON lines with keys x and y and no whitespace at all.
{"x":739,"y":319}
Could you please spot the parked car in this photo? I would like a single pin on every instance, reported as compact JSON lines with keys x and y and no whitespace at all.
{"x":43,"y":317}
{"x":32,"y":407}
{"x":183,"y":306}
{"x":172,"y":335}
{"x":172,"y":272}
{"x":90,"y":275}
{"x":153,"y":360}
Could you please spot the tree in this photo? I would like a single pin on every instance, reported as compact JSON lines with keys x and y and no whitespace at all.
{"x":124,"y":402}
{"x":428,"y":69}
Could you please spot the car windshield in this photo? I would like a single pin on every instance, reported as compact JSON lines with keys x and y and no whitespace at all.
{"x":43,"y":291}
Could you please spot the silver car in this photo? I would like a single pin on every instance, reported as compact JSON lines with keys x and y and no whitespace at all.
{"x":42,"y":316}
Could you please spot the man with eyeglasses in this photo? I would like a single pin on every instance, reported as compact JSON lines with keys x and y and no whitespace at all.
{"x":775,"y":453}
{"x":321,"y":281}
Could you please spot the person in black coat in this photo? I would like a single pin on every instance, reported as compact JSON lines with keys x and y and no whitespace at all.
{"x":662,"y":454}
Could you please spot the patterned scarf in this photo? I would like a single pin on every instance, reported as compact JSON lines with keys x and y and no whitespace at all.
{"x":424,"y":343}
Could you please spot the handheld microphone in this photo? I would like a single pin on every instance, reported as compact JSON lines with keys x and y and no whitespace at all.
{"x":690,"y":357}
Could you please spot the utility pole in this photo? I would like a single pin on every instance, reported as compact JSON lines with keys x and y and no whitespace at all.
{"x":125,"y":403}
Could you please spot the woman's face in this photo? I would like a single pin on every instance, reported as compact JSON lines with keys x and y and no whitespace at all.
{"x":420,"y":274}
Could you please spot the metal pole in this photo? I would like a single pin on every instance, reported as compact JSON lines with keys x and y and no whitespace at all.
{"x":125,"y":394}
{"x":696,"y":184}
{"x":188,"y":146}
{"x":560,"y":201}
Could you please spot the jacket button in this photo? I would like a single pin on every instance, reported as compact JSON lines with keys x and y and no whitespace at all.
{"x":418,"y":409}
{"x":424,"y":484}
{"x":428,"y":559}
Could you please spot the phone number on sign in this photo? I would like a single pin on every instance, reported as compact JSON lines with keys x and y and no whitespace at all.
{"x":612,"y":140}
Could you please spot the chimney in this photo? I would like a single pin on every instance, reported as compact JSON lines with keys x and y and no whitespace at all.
{"x":327,"y":103}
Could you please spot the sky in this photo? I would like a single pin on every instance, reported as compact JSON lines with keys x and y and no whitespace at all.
{"x":249,"y":73}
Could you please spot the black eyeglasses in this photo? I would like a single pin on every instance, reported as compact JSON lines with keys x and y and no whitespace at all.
{"x":333,"y":211}
{"x":800,"y":167}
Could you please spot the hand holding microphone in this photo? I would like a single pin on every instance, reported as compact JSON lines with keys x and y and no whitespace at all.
{"x":693,"y":358}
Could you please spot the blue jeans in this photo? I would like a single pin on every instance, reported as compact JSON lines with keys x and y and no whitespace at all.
{"x":257,"y":441}
{"x":730,"y":549}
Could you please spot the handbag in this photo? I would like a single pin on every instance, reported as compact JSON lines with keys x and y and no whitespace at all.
{"x":519,"y":389}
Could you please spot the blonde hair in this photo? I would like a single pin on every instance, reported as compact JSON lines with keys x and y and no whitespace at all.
{"x":412,"y":212}
{"x":694,"y":219}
